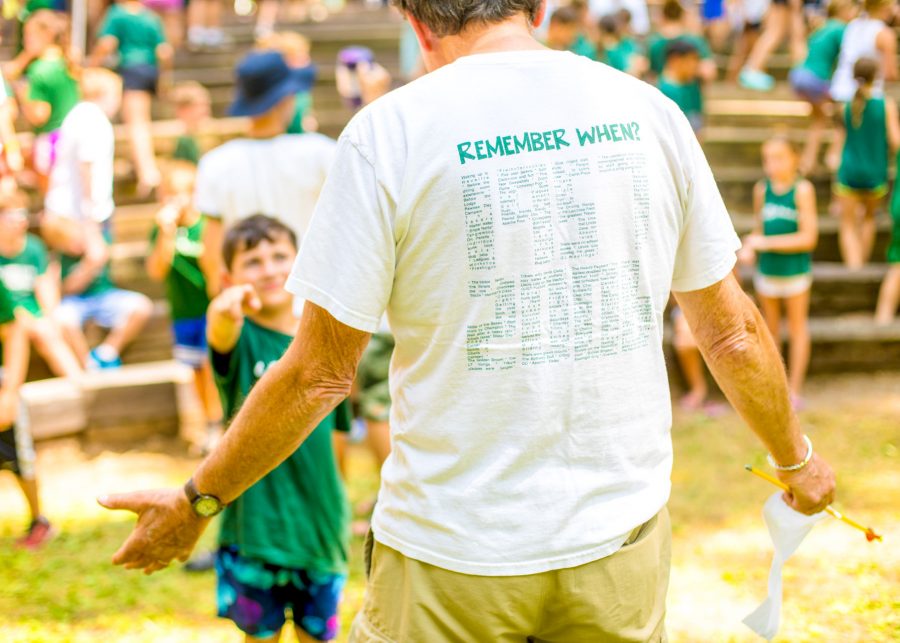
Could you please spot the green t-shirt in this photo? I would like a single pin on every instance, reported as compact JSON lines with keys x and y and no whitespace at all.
{"x":298,"y":515}
{"x":304,"y":106}
{"x":19,"y":273}
{"x":138,"y":33}
{"x":864,"y":161}
{"x":49,"y":81}
{"x":824,"y":48}
{"x":657,"y":44}
{"x":7,"y":308}
{"x":187,"y":149}
{"x":102,"y":282}
{"x":688,"y":97}
{"x":584,"y":47}
{"x":780,"y":216}
{"x":185,"y":283}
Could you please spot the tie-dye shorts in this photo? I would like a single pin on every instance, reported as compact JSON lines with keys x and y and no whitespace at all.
{"x":258,"y":596}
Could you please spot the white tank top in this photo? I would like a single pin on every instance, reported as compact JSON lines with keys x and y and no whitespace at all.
{"x":858,"y":42}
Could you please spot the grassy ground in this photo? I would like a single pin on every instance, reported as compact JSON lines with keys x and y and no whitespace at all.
{"x":837,"y":588}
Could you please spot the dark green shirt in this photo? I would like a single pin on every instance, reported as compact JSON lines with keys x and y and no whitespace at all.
{"x":187,"y":149}
{"x":19,"y":273}
{"x":657,"y":44}
{"x":297,"y":516}
{"x":824,"y":48}
{"x":49,"y":81}
{"x":102,"y":282}
{"x":619,"y":57}
{"x":185,"y":283}
{"x":688,"y":97}
{"x":138,"y":33}
{"x":780,"y":216}
{"x":584,"y":47}
{"x":7,"y":308}
{"x":864,"y":162}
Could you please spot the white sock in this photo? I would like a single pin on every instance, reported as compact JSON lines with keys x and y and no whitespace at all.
{"x":106,"y":352}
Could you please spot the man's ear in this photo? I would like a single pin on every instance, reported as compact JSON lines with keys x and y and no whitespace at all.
{"x":540,"y":15}
{"x":424,"y":34}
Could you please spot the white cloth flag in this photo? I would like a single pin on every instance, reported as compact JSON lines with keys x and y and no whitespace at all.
{"x":788,"y":528}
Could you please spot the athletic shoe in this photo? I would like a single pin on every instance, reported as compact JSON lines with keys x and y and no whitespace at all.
{"x":37,"y":535}
{"x":202,"y":562}
{"x":97,"y":363}
{"x":756,"y":80}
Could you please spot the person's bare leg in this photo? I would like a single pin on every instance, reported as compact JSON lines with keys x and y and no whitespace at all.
{"x":136,"y":114}
{"x":691,"y":363}
{"x":213,"y":14}
{"x":49,"y":342}
{"x":267,"y":17}
{"x":378,"y":437}
{"x":173,"y":24}
{"x":771,"y":310}
{"x":121,"y":336}
{"x":888,"y":296}
{"x":868,"y":229}
{"x":848,"y":233}
{"x":775,"y":28}
{"x":797,"y":308}
{"x":743,"y":45}
{"x":814,"y":136}
{"x":30,"y":491}
{"x":797,"y":36}
{"x":77,"y":342}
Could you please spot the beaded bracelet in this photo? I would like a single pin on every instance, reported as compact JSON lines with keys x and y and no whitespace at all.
{"x":799,"y":465}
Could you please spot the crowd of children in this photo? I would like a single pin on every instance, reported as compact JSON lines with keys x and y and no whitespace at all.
{"x":229,"y":220}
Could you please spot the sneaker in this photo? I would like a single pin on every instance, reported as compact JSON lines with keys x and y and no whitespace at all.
{"x":756,"y":80}
{"x":97,"y":363}
{"x":37,"y":535}
{"x":202,"y":562}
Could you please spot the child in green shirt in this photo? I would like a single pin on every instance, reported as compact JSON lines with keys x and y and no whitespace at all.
{"x":16,"y":451}
{"x":783,"y":239}
{"x":192,"y":110}
{"x":176,"y":243}
{"x":136,"y":34}
{"x":32,"y":289}
{"x":284,"y":542}
{"x":680,"y":80}
{"x":674,"y":26}
{"x":620,"y":52}
{"x":871,"y":131}
{"x":44,"y":81}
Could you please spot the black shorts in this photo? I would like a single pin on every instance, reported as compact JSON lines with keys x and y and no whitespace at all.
{"x":143,"y":78}
{"x":17,"y":452}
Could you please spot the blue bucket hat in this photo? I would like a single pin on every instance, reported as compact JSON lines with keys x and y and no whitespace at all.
{"x":263,"y":80}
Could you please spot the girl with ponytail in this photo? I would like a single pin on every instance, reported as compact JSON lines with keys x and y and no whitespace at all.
{"x":871,"y":127}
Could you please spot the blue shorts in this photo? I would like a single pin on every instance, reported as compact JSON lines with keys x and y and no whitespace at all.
{"x":109,"y":309}
{"x":255,"y":595}
{"x":190,"y":341}
{"x":809,"y":86}
{"x":713,"y":10}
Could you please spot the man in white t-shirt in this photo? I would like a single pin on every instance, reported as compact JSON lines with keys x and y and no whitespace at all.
{"x":267,"y":171}
{"x":522,"y":215}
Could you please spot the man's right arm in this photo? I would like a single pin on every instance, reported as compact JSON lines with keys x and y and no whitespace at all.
{"x":742,"y":356}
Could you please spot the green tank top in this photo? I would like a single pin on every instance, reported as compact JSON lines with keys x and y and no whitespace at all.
{"x":864,"y":163}
{"x":823,"y":48}
{"x":780,"y":216}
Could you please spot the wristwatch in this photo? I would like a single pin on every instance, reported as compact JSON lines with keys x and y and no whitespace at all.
{"x":205,"y":506}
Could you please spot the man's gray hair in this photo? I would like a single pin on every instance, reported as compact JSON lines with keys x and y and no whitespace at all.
{"x":449,"y":17}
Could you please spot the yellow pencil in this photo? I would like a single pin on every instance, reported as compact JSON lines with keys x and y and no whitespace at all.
{"x":868,"y":531}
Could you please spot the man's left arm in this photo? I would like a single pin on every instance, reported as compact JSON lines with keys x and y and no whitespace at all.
{"x":284,"y":407}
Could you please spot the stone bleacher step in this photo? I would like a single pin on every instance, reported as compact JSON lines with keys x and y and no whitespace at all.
{"x":119,"y":406}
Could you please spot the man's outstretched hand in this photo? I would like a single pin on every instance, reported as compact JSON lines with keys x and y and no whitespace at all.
{"x":167,"y":528}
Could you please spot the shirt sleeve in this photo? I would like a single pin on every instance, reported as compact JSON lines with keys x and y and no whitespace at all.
{"x":347,"y":259}
{"x":205,"y":190}
{"x":39,"y":254}
{"x":109,"y":26}
{"x":708,"y":245}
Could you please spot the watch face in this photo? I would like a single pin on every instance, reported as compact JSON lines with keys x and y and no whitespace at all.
{"x":206,"y":506}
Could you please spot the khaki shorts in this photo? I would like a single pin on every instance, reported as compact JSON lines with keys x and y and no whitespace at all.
{"x":615,"y":599}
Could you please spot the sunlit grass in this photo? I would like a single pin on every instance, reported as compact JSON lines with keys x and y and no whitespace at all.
{"x":837,"y":588}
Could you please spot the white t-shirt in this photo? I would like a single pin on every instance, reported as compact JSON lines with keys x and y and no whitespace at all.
{"x":524,"y":270}
{"x":85,"y":136}
{"x":280,"y":177}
